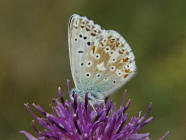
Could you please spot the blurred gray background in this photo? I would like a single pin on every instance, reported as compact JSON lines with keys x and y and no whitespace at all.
{"x":34,"y":58}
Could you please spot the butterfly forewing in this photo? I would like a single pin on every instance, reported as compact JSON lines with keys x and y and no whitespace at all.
{"x":81,"y":35}
{"x":108,"y":61}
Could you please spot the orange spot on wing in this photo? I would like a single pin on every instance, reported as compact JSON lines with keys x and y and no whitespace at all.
{"x":117,"y":44}
{"x":112,"y":46}
{"x":126,"y":75}
{"x":127,"y":70}
{"x":93,"y":49}
{"x":111,"y":41}
{"x":121,"y":52}
{"x":125,"y":59}
{"x":93,"y":34}
{"x":87,"y":29}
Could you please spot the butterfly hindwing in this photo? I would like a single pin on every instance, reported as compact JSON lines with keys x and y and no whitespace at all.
{"x":109,"y":64}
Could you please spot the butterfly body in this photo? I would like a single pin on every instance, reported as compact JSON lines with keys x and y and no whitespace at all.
{"x":101,"y":60}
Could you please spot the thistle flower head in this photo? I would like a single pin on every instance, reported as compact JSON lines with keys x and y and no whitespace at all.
{"x":75,"y":120}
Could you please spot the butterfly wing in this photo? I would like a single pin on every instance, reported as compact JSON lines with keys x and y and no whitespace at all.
{"x":101,"y":60}
{"x":81,"y":36}
{"x":110,"y":63}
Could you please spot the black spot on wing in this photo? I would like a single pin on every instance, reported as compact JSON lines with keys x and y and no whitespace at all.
{"x":80,"y":51}
{"x":88,"y":43}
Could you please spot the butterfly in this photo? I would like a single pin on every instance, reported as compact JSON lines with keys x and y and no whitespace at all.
{"x":101,"y":60}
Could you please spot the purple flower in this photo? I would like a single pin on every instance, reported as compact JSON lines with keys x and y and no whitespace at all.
{"x":74,"y":120}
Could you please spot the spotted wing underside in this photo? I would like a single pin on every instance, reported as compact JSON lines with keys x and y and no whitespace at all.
{"x":81,"y":35}
{"x":110,"y":63}
{"x":101,"y":60}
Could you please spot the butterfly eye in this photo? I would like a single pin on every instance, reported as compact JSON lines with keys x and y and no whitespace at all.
{"x":87,"y":74}
{"x":89,"y":63}
{"x":97,"y":56}
{"x":107,"y":49}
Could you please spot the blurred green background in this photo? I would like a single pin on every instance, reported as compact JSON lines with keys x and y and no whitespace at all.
{"x":34,"y":58}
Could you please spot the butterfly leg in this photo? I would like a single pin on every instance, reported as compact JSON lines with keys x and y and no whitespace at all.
{"x":91,"y":104}
{"x":105,"y":101}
